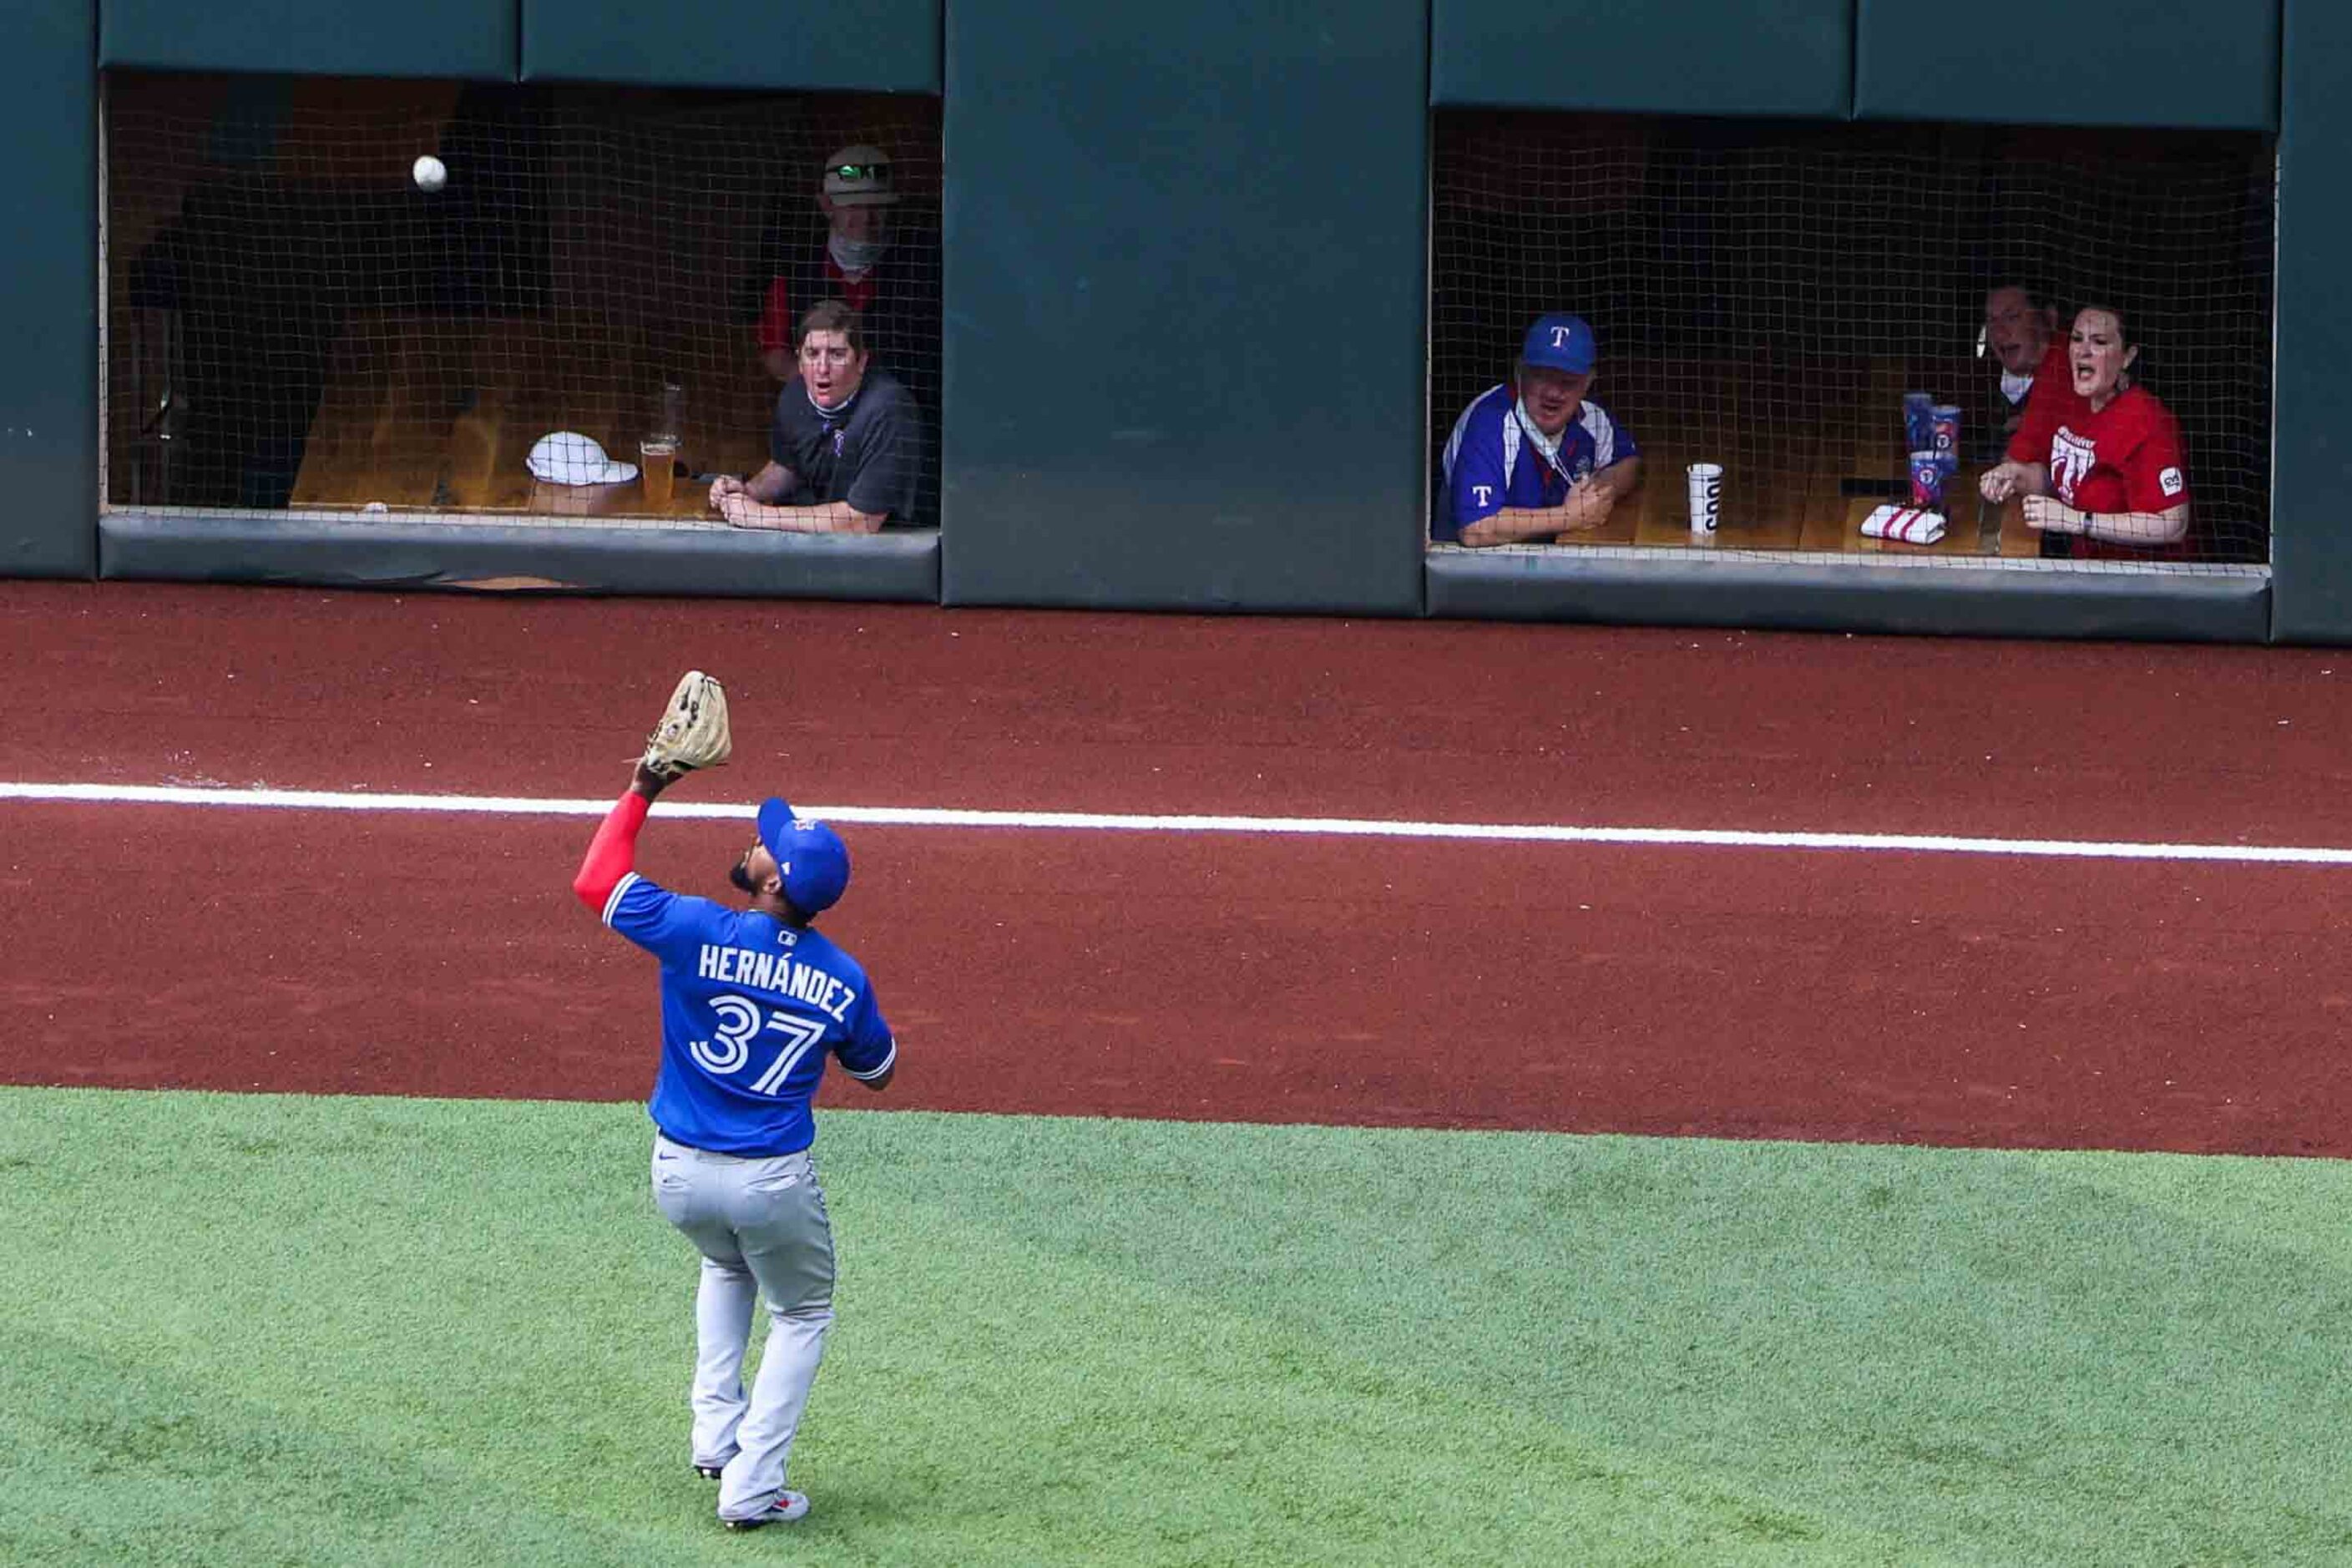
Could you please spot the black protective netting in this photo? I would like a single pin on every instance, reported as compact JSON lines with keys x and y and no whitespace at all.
{"x":293,"y":323}
{"x":1764,"y":291}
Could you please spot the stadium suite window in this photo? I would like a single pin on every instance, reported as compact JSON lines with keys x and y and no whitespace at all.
{"x":354,"y":298}
{"x":1763,"y":294}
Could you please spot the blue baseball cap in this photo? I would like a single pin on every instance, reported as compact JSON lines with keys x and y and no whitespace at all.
{"x":1562,"y":343}
{"x":810,"y":857}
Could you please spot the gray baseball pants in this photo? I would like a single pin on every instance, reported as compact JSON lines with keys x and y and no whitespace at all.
{"x":762,"y":1228}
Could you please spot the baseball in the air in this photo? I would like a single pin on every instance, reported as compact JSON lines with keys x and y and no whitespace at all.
{"x":430,"y":173}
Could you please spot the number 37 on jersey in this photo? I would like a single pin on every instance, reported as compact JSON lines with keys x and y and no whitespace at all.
{"x":745,"y":1031}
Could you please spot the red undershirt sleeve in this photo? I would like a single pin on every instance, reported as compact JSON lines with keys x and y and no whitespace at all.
{"x":612,"y":854}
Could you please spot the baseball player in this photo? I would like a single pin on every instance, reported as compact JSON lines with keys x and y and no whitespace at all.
{"x":753,"y":1002}
{"x":1537,"y":460}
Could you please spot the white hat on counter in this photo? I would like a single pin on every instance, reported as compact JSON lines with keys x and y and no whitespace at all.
{"x":568,"y":458}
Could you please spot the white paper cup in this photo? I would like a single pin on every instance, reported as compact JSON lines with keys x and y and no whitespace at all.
{"x":1705,"y":496}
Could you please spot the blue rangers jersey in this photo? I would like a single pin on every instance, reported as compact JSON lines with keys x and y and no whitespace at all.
{"x":750,"y":1009}
{"x":1494,"y":461}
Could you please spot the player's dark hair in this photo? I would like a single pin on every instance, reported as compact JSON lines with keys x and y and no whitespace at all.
{"x":833,"y":316}
{"x":796,"y":917}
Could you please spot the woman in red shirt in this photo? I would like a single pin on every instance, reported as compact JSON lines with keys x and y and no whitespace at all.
{"x":2098,"y":458}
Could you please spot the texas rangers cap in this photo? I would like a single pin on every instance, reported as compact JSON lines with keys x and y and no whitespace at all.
{"x":1562,"y":343}
{"x":811,"y":856}
{"x":859,"y":176}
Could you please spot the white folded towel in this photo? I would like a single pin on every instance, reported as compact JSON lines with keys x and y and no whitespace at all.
{"x":1909,"y":524}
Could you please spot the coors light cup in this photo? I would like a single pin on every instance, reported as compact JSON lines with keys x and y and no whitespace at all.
{"x":1706,"y":500}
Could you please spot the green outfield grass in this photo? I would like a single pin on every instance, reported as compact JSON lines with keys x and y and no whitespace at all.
{"x":253,"y":1331}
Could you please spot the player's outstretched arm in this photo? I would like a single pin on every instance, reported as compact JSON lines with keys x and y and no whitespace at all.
{"x":612,"y":852}
{"x":693,"y":733}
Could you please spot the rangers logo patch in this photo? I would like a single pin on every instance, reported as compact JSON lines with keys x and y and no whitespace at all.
{"x":2171,"y":482}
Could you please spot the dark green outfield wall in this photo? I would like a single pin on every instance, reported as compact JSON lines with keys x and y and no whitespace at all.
{"x":1185,"y":267}
{"x":874,"y":45}
{"x":2311,"y":514}
{"x":2181,"y":63}
{"x":867,"y":45}
{"x":473,"y":39}
{"x":1659,"y":56}
{"x":1184,"y":298}
{"x":49,"y":294}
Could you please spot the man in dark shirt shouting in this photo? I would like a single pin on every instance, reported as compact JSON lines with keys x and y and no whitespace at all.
{"x":846,"y":451}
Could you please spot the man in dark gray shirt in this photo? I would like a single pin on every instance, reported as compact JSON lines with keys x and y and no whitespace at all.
{"x":845,"y":450}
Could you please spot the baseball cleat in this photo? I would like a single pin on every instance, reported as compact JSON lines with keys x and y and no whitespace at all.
{"x":709,"y":1472}
{"x":787,"y":1507}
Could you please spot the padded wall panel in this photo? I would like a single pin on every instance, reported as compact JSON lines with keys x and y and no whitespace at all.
{"x":893,"y":565}
{"x":1849,"y":596}
{"x":871,"y":45}
{"x":2069,"y":62}
{"x":2311,"y":492}
{"x":49,"y":296}
{"x":470,"y":39}
{"x":1667,"y":57}
{"x":1185,"y":297}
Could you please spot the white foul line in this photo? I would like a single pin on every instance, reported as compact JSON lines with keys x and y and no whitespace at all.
{"x":1306,"y":827}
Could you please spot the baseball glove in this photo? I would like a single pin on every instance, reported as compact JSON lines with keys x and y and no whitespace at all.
{"x":693,"y":730}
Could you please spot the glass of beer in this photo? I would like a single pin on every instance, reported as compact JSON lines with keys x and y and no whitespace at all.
{"x":657,"y":470}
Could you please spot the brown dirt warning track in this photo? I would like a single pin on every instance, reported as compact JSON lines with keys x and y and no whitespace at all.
{"x":1763,"y":993}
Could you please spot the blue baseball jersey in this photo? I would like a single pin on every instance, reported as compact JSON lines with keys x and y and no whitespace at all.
{"x":750,"y":1009}
{"x":1492,"y":461}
